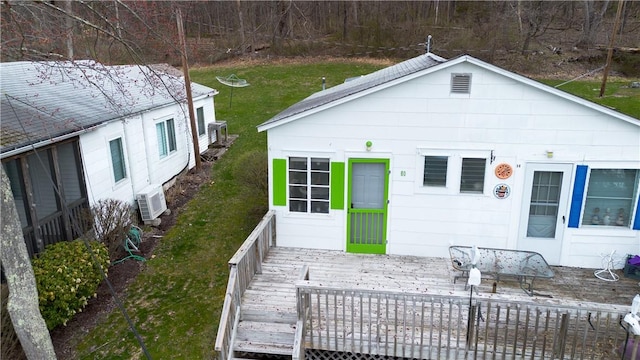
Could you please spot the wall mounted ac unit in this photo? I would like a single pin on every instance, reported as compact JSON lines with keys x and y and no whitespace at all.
{"x":151,"y":202}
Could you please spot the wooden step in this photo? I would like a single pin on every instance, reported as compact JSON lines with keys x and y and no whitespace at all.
{"x":278,"y":317}
{"x":264,"y":338}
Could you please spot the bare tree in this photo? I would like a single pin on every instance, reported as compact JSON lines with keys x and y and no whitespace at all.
{"x":23,"y":303}
{"x":593,"y":15}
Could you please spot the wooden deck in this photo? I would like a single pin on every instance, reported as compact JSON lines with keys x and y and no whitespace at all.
{"x":268,"y":309}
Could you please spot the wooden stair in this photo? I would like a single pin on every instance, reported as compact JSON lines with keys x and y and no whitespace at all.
{"x":269,"y":333}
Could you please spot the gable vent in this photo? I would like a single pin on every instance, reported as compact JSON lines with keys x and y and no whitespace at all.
{"x":460,"y":83}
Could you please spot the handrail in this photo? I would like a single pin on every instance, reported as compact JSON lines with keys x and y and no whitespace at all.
{"x":423,"y":326}
{"x":245,"y":263}
{"x":303,"y":307}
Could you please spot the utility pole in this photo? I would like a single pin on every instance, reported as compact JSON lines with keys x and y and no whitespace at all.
{"x":187,"y":84}
{"x":610,"y":53}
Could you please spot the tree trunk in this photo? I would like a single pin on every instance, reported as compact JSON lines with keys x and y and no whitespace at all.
{"x":592,"y":21}
{"x":23,"y":295}
{"x":242,"y":46}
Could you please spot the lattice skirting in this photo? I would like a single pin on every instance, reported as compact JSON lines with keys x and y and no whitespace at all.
{"x":312,"y":354}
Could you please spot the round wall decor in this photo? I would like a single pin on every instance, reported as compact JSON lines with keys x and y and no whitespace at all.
{"x":503,"y":171}
{"x":502,"y":191}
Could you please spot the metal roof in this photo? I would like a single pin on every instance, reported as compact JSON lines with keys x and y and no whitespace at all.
{"x":42,"y":101}
{"x":359,"y":84}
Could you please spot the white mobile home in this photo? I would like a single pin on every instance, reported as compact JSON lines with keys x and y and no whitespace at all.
{"x":431,"y":153}
{"x":74,"y":133}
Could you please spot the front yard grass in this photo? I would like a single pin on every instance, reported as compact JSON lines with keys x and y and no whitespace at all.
{"x":175,"y":302}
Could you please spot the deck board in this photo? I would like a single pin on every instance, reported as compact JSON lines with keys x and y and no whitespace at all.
{"x":270,"y":299}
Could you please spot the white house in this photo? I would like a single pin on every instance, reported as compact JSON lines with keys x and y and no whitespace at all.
{"x":431,"y":153}
{"x":74,"y":133}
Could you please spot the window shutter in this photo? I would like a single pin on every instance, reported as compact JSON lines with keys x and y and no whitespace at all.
{"x":337,"y":186}
{"x":279,"y":182}
{"x":460,"y":83}
{"x":577,"y":196}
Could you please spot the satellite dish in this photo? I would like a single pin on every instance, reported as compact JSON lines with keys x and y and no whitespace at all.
{"x":232,"y":81}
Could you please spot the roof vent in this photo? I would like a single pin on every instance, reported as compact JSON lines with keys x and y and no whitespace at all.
{"x":460,"y":83}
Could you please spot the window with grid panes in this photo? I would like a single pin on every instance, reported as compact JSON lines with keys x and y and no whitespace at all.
{"x":309,"y":185}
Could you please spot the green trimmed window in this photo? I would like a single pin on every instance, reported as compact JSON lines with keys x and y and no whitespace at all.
{"x":309,"y":185}
{"x":117,"y":159}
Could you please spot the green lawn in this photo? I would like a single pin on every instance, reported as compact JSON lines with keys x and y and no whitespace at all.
{"x":175,"y":302}
{"x":618,"y":94}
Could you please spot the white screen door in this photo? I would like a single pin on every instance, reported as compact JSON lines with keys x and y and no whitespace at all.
{"x":546,"y":196}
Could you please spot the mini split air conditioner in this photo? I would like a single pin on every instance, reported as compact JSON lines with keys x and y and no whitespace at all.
{"x":151,"y":202}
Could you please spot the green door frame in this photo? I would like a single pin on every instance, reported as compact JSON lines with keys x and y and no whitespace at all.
{"x":370,"y":225}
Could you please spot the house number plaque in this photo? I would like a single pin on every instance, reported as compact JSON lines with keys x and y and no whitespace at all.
{"x":503,"y":171}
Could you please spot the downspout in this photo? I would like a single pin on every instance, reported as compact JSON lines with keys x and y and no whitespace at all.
{"x":124,"y":123}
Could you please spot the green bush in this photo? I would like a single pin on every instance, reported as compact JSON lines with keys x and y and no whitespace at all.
{"x":67,"y":278}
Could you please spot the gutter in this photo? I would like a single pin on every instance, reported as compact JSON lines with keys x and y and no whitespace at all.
{"x":47,"y":142}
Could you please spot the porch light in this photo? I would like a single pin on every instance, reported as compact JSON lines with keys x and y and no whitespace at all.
{"x":369,"y":144}
{"x":549,"y":154}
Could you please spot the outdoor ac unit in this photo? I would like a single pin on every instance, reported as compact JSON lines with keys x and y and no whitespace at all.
{"x":151,"y":202}
{"x":211,"y":132}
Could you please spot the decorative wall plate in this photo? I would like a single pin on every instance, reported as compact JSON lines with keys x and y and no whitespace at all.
{"x":502,"y":191}
{"x":503,"y":171}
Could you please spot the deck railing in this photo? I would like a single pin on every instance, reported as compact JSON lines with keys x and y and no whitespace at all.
{"x":420,"y":326}
{"x":246,"y":262}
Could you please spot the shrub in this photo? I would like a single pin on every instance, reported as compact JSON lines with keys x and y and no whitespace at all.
{"x":112,"y":218}
{"x":10,"y":347}
{"x":252,"y":171}
{"x":66,"y":277}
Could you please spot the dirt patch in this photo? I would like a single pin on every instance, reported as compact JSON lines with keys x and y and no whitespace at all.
{"x":122,"y":274}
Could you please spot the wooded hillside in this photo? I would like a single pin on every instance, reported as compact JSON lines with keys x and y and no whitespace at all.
{"x":519,"y":35}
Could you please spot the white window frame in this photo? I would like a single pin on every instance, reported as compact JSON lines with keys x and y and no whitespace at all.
{"x":309,"y":186}
{"x":202,"y":127}
{"x":587,"y":212}
{"x":454,"y":171}
{"x":165,"y":143}
{"x":123,"y":159}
